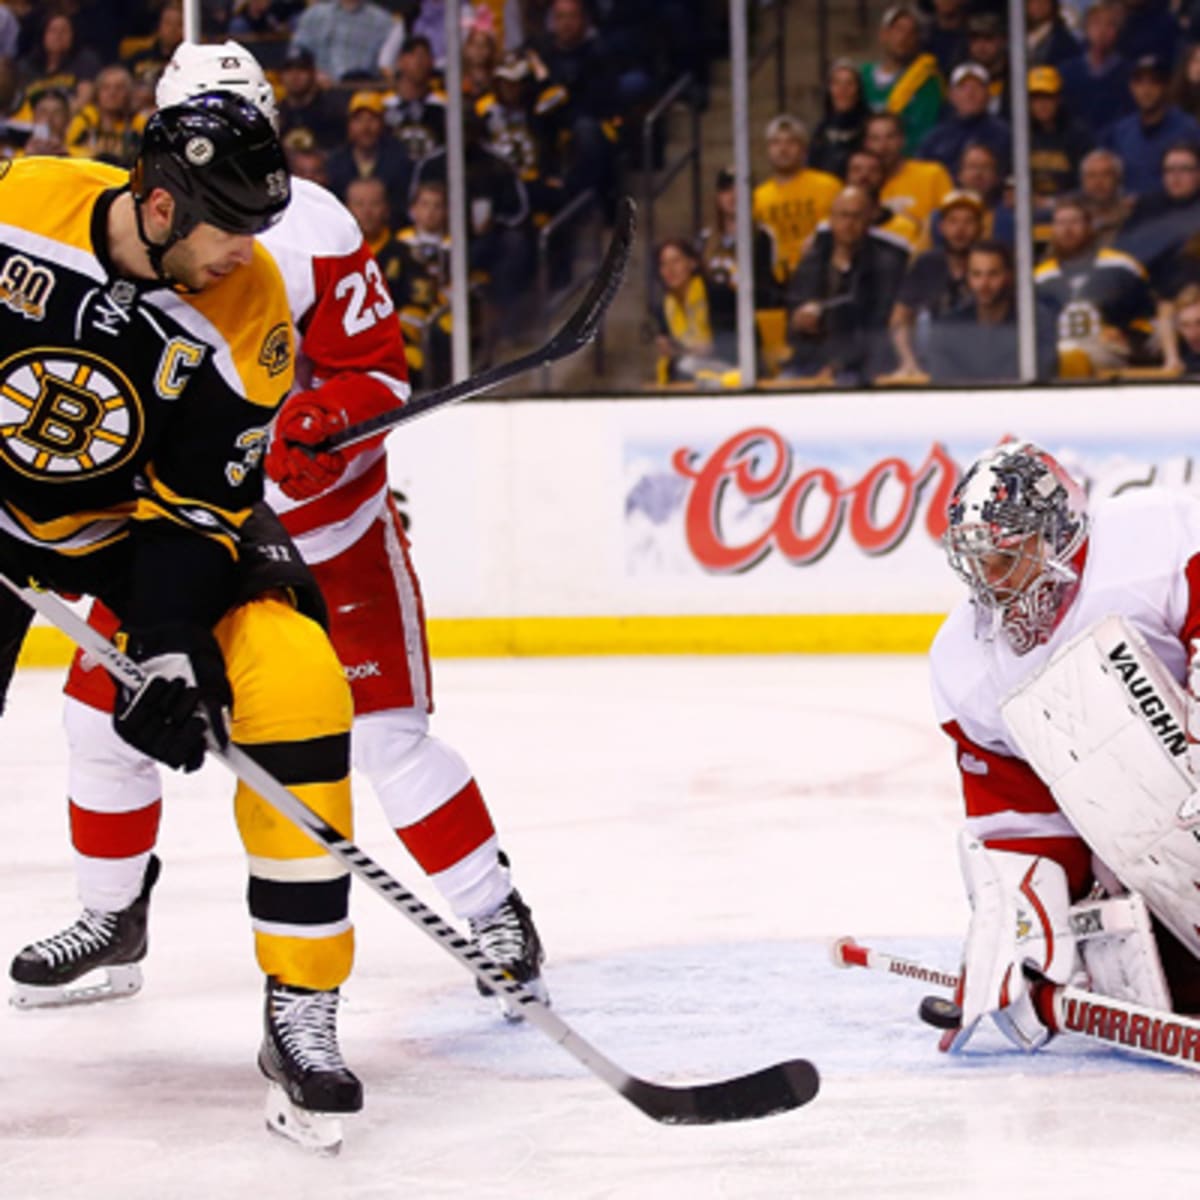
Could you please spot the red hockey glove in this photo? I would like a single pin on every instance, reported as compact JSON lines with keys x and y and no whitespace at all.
{"x":303,"y":422}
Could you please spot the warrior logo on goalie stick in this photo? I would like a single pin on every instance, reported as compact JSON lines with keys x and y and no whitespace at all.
{"x":1158,"y":715}
{"x":66,"y":413}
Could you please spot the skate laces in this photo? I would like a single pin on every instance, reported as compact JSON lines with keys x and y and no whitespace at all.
{"x":506,"y":936}
{"x":93,"y":931}
{"x":306,"y":1025}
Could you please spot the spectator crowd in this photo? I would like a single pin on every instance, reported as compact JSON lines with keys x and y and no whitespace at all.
{"x":552,"y":95}
{"x":884,"y":238}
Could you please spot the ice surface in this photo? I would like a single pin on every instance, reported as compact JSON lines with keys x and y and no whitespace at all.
{"x":691,"y":833}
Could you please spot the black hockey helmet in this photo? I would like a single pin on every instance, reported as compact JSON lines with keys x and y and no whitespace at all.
{"x":221,"y":161}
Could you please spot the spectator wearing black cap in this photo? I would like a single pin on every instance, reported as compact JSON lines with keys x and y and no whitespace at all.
{"x":1057,"y":142}
{"x":370,"y":152}
{"x":344,"y":36}
{"x":306,"y":104}
{"x":1096,"y":84}
{"x":967,"y":120}
{"x":415,"y":112}
{"x":904,"y":80}
{"x":1142,"y":138}
{"x":987,"y":44}
{"x":843,"y":123}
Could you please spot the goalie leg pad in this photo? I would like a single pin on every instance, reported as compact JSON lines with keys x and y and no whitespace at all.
{"x":1103,"y":725}
{"x":1020,"y":908}
{"x":1126,"y":965}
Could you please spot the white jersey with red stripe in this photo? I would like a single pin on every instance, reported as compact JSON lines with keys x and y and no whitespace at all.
{"x":346,"y":328}
{"x":1142,"y":562}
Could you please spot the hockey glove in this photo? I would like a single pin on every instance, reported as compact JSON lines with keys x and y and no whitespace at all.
{"x":305,"y":421}
{"x":184,"y":695}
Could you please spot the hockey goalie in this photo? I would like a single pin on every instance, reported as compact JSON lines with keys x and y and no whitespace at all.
{"x":1063,"y":679}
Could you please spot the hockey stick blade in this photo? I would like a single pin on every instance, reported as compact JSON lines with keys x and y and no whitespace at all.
{"x":776,"y":1089}
{"x":759,"y":1094}
{"x":576,"y":332}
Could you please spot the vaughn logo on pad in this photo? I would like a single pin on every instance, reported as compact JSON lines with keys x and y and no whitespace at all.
{"x":1138,"y":685}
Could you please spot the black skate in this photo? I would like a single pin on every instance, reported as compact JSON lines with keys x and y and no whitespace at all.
{"x":510,"y":939}
{"x":45,"y":973}
{"x":310,"y":1083}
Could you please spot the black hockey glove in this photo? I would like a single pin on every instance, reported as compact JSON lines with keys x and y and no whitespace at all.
{"x":184,"y":695}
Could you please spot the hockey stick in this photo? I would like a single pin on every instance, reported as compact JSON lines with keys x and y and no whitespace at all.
{"x":578,"y":329}
{"x":1150,"y":1032}
{"x":773,"y":1089}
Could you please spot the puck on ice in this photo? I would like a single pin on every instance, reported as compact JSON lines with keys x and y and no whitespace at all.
{"x":940,"y":1012}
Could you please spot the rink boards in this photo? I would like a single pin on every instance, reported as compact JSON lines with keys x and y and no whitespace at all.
{"x":725,"y":523}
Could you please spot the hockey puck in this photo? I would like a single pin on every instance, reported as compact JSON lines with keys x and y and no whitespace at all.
{"x":940,"y":1012}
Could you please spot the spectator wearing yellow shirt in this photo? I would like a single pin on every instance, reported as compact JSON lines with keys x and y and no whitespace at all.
{"x":108,"y":129}
{"x":797,"y":198}
{"x":911,"y":186}
{"x":864,"y":170}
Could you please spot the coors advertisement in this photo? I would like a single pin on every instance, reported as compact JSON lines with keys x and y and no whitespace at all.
{"x":769,"y":503}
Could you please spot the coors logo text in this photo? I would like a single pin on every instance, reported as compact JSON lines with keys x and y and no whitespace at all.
{"x":755,"y":467}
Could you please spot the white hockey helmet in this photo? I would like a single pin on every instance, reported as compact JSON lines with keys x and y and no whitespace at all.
{"x":228,"y":67}
{"x":1017,"y":521}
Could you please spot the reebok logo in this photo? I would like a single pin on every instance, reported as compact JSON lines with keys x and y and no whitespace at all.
{"x":362,"y":671}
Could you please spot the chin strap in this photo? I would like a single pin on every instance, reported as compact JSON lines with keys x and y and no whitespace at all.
{"x":155,"y":251}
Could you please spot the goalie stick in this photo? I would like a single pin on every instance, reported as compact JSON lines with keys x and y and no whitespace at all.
{"x":761,"y":1093}
{"x":576,"y":332}
{"x":1153,"y":1033}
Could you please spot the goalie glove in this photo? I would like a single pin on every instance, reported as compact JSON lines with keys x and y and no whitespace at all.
{"x":1020,"y":934}
{"x":184,"y":695}
{"x":305,"y":420}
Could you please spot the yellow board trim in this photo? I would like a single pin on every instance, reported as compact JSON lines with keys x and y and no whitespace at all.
{"x":491,"y":637}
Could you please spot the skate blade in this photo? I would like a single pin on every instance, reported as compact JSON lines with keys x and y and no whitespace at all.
{"x":115,"y":983}
{"x":319,"y":1133}
{"x":510,"y":1010}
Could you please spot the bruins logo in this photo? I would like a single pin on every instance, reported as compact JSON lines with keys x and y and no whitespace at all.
{"x":276,"y":352}
{"x":66,"y":413}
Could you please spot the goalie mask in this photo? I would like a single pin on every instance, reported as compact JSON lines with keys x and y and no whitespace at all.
{"x":1017,"y":521}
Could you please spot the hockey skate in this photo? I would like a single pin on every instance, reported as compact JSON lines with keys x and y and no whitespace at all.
{"x":510,"y":939}
{"x":310,"y":1084}
{"x":51,"y":972}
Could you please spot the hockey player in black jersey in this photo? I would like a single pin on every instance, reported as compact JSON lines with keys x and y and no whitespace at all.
{"x":145,"y":342}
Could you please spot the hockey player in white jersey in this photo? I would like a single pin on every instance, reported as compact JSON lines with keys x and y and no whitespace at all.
{"x":339,"y":511}
{"x":1059,"y":865}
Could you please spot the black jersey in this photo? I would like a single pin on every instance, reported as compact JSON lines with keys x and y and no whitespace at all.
{"x":125,"y":406}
